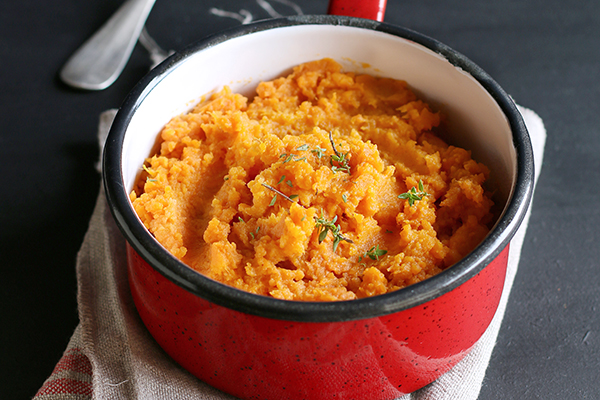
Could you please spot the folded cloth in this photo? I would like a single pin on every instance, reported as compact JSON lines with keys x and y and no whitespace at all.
{"x":111,"y":355}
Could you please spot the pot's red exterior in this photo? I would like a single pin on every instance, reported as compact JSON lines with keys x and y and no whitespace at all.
{"x":254,"y":357}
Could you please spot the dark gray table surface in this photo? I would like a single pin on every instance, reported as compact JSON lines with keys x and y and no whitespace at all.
{"x":546,"y":54}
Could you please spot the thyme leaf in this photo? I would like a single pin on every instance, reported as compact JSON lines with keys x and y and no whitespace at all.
{"x":272,"y":203}
{"x":413,"y":195}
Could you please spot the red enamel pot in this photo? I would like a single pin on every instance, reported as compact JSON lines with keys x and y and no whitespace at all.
{"x":256,"y":347}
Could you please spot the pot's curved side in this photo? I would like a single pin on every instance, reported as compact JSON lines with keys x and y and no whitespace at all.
{"x":253,"y":357}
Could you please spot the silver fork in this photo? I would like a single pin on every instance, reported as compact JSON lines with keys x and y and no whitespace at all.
{"x":101,"y":59}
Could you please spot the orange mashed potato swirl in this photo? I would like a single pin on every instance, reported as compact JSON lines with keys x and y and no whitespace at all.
{"x":298,"y":194}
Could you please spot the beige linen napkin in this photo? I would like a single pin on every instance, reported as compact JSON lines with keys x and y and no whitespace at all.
{"x":112,"y":356}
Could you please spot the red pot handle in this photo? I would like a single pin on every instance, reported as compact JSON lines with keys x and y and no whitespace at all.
{"x":370,"y":9}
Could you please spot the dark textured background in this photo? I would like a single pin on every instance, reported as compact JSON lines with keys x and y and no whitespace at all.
{"x":546,"y":54}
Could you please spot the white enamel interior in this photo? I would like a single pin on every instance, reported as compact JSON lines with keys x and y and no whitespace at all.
{"x":476,"y":121}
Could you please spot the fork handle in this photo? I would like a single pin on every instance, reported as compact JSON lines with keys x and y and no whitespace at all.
{"x":369,"y":9}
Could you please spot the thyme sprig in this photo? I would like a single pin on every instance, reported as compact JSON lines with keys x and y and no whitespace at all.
{"x":339,"y":158}
{"x":338,"y":161}
{"x":319,"y":152}
{"x":342,"y":161}
{"x":290,"y":198}
{"x":375,"y":252}
{"x":412,"y":195}
{"x":325,"y":226}
{"x":291,"y":157}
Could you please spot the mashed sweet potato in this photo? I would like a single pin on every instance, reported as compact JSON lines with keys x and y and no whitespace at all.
{"x":326,"y":186}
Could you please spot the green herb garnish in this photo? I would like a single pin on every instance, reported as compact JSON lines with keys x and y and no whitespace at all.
{"x":412,"y":195}
{"x":319,"y":152}
{"x":288,"y":157}
{"x":291,"y":157}
{"x":375,"y":252}
{"x":273,"y":200}
{"x":277,"y":192}
{"x":342,"y":163}
{"x":325,"y":226}
{"x":339,"y":158}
